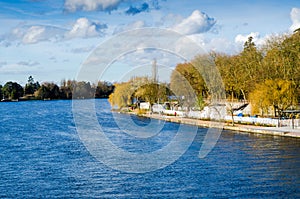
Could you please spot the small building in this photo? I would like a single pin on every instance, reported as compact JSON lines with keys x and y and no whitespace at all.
{"x":145,"y":105}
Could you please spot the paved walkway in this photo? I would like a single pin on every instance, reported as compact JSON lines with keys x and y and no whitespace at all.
{"x":279,"y":131}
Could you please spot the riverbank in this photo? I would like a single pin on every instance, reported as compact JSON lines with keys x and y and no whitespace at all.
{"x":275,"y":131}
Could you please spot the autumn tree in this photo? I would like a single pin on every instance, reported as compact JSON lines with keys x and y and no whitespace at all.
{"x":122,"y":95}
{"x":187,"y":84}
{"x":139,"y":88}
{"x":277,"y":94}
{"x":229,"y":69}
{"x":250,"y":61}
{"x":152,"y":92}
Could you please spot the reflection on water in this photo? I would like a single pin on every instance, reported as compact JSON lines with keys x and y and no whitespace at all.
{"x":42,"y":156}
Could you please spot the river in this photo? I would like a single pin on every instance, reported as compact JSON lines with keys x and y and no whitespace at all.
{"x":42,"y":156}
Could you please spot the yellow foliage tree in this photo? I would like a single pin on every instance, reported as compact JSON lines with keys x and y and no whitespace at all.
{"x":122,"y":95}
{"x":277,"y":94}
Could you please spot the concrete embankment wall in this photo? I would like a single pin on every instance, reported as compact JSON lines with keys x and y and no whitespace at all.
{"x":286,"y":132}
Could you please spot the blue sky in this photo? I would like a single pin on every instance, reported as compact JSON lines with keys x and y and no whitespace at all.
{"x":50,"y":39}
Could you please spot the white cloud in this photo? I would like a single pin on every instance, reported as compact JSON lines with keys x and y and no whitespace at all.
{"x":221,"y":45}
{"x":18,"y":68}
{"x":90,"y":5}
{"x":216,"y":44}
{"x":84,"y":28}
{"x":28,"y":63}
{"x":34,"y":34}
{"x":169,"y":20}
{"x":197,"y":22}
{"x":83,"y":49}
{"x":295,"y":17}
{"x":135,"y":7}
{"x":130,"y":26}
{"x":257,"y":39}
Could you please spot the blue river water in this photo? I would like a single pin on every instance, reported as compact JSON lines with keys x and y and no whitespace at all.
{"x":42,"y":156}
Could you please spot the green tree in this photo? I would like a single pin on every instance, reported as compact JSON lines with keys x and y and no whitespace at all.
{"x":83,"y":90}
{"x":200,"y":103}
{"x":152,"y":92}
{"x":1,"y":92}
{"x":31,"y":86}
{"x":66,"y":89}
{"x":104,"y":89}
{"x":12,"y":90}
{"x":48,"y":91}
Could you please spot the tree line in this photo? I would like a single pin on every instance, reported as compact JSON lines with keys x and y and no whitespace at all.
{"x":268,"y":77}
{"x":139,"y":89}
{"x":49,"y":90}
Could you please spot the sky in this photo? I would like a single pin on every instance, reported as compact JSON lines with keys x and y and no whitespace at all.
{"x":52,"y":39}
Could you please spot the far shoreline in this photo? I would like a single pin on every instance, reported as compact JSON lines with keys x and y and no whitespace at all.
{"x":255,"y":129}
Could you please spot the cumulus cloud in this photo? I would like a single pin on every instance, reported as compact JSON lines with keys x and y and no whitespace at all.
{"x":84,"y":28}
{"x":88,"y":5}
{"x":295,"y":17}
{"x":257,"y":39}
{"x":135,"y":10}
{"x":197,"y":22}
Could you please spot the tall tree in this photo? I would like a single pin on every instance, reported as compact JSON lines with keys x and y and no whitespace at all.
{"x":250,"y":61}
{"x":230,"y":72}
{"x":187,"y":84}
{"x":31,"y":86}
